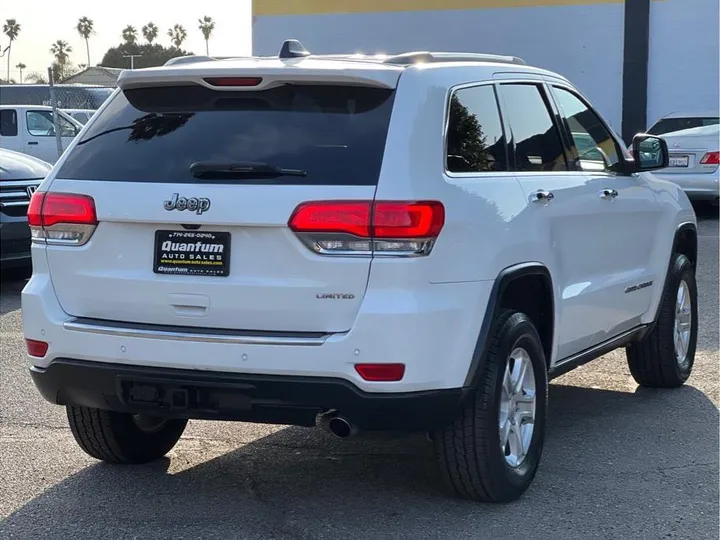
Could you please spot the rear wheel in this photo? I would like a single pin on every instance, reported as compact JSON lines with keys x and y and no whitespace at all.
{"x":491,"y":452}
{"x":664,"y":358}
{"x":117,"y":437}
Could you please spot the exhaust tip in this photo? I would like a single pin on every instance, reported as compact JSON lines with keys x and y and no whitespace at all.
{"x":340,"y":427}
{"x":337,"y":425}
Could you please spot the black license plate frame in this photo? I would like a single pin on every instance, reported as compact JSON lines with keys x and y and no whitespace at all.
{"x":192,"y":253}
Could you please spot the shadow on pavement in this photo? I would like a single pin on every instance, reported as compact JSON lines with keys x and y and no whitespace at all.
{"x":616,"y":464}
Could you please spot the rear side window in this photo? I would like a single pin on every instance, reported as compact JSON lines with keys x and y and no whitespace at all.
{"x":475,"y":138}
{"x":8,"y":123}
{"x":536,"y":138}
{"x":333,"y":135}
{"x":669,"y":125}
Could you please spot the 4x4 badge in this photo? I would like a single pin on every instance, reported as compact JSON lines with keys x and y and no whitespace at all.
{"x":193,"y":204}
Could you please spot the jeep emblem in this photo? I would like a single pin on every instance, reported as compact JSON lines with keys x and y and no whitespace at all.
{"x":193,"y":204}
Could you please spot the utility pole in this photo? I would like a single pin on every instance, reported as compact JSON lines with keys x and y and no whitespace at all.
{"x":132,"y":58}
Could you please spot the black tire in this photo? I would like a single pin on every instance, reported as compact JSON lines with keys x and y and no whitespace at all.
{"x":469,"y":451}
{"x":117,"y":437}
{"x":652,"y":360}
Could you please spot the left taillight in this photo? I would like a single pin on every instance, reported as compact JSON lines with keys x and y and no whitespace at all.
{"x":363,"y":228}
{"x":61,"y":218}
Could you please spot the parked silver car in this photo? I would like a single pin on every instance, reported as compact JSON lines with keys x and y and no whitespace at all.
{"x":694,"y":162}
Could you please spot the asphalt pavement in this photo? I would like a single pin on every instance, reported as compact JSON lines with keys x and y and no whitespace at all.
{"x":619,"y":462}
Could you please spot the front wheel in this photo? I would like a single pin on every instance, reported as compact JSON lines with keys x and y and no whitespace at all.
{"x":664,"y":358}
{"x":492,"y":450}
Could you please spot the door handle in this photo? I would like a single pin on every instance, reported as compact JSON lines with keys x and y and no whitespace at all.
{"x":542,"y":196}
{"x":33,"y":143}
{"x":607,"y":194}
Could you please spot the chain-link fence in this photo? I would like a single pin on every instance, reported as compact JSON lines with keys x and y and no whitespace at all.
{"x":72,"y":106}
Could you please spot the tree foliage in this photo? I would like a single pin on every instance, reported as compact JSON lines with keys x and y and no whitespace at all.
{"x":130,"y":34}
{"x":151,"y":55}
{"x":150,"y":32}
{"x":86,"y":28}
{"x":466,"y":144}
{"x":206,"y":25}
{"x":11,"y":29}
{"x":177,"y":34}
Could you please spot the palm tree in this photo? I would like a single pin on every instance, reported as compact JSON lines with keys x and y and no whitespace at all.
{"x":130,"y":34}
{"x":177,"y":34}
{"x":11,"y":29}
{"x":20,"y":66}
{"x":36,"y":78}
{"x":206,"y":26}
{"x":150,"y":31}
{"x":85,"y":28}
{"x":61,"y":50}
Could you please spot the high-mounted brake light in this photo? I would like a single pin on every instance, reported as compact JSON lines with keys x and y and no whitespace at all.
{"x":61,"y":218}
{"x":711,"y":158}
{"x":233,"y":81}
{"x":369,"y":227}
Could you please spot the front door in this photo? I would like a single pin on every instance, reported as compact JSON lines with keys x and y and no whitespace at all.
{"x":630,"y":216}
{"x":40,"y":134}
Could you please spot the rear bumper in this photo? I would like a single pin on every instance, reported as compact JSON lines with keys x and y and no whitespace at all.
{"x":241,"y":397}
{"x":696,"y":186}
{"x":433,"y":332}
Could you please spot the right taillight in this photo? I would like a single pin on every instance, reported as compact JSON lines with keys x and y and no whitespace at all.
{"x":711,"y":158}
{"x":61,"y":218}
{"x":390,"y":228}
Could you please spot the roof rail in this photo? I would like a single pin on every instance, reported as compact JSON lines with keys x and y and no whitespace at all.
{"x":425,"y":57}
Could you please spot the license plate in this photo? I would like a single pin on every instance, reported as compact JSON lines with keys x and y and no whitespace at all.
{"x":679,"y":161}
{"x":192,"y":253}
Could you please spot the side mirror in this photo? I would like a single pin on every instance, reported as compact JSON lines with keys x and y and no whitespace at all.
{"x":650,"y":153}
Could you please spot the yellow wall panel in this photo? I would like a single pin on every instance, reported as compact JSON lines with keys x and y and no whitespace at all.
{"x":308,"y":7}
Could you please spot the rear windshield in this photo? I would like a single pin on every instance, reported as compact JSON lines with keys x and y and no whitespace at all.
{"x":334,"y":134}
{"x":669,"y":125}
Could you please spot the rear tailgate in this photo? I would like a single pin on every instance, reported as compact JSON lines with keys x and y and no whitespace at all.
{"x":175,"y":246}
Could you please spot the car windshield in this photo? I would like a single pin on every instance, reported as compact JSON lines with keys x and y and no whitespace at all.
{"x":668,"y":125}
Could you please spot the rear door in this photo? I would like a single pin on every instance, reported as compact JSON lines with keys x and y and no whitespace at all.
{"x":193,"y":228}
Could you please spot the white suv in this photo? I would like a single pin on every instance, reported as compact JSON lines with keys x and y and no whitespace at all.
{"x":409,"y":242}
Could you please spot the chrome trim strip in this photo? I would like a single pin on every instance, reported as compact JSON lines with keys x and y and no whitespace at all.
{"x":119,"y":331}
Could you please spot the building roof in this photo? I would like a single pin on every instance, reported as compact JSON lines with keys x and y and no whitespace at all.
{"x":94,"y":75}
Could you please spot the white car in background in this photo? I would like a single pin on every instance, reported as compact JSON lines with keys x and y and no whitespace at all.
{"x":694,"y":161}
{"x":29,"y":129}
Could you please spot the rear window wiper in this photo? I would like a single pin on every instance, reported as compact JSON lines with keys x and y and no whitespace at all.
{"x":202,"y":169}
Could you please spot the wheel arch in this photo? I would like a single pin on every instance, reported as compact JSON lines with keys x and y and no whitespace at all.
{"x":510,"y":290}
{"x":684,"y":242}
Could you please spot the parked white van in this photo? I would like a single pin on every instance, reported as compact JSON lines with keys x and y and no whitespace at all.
{"x":29,"y":129}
